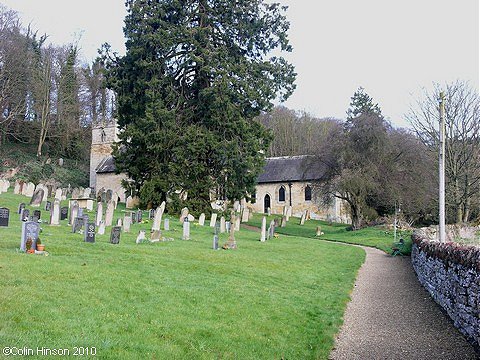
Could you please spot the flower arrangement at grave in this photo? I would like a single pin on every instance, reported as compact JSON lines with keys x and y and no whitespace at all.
{"x":40,"y":246}
{"x":28,"y":246}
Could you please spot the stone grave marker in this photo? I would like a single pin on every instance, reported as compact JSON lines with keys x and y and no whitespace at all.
{"x":263,"y":235}
{"x":231,"y":242}
{"x":269,"y":212}
{"x":157,"y":219}
{"x":30,"y":230}
{"x":222,"y":224}
{"x":21,"y":207}
{"x":184,"y":214}
{"x":245,"y":214}
{"x":272,"y":229}
{"x":48,"y":206}
{"x":284,"y":221}
{"x":201,"y":219}
{"x":115,"y":234}
{"x":215,"y":242}
{"x":127,"y":221}
{"x":166,"y":224}
{"x":73,"y":212}
{"x":155,"y":236}
{"x":17,"y":188}
{"x":25,"y":215}
{"x":89,"y":235}
{"x":55,"y":214}
{"x":64,"y":213}
{"x":37,"y":214}
{"x":228,"y":224}
{"x":109,"y":214}
{"x":139,"y":216}
{"x":302,"y":219}
{"x":319,"y":231}
{"x":119,"y":222}
{"x":141,"y":237}
{"x":80,"y":212}
{"x":4,"y":216}
{"x":89,"y":204}
{"x":109,"y":195}
{"x":186,"y":229}
{"x":77,"y":224}
{"x":99,"y":215}
{"x":29,"y":189}
{"x":213,"y":219}
{"x":37,"y":198}
{"x":101,"y":228}
{"x":217,"y":228}
{"x":151,"y":214}
{"x":58,"y":194}
{"x":237,"y":223}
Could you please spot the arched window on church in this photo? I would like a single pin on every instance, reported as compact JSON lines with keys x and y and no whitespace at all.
{"x":281,"y":193}
{"x":308,"y":193}
{"x":103,"y":135}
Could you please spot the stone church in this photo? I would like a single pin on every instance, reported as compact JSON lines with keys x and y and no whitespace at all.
{"x":285,"y":181}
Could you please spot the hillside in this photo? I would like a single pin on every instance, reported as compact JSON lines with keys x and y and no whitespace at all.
{"x":19,"y":161}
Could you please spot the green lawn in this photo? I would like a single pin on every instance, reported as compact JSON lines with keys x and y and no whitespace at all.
{"x":378,"y":237}
{"x":173,"y":300}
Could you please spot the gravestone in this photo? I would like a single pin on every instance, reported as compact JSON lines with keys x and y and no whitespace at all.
{"x":141,"y":237}
{"x":222,"y":224}
{"x":284,"y":221}
{"x":119,"y":222}
{"x":228,"y":224}
{"x":21,"y":207}
{"x":89,"y":204}
{"x":109,"y":195}
{"x":139,"y":216}
{"x":269,"y":211}
{"x":55,"y":214}
{"x":319,"y":231}
{"x":77,"y":224}
{"x":263,"y":234}
{"x":215,"y":242}
{"x":245,"y":214}
{"x":155,"y":236}
{"x":48,"y":206}
{"x":109,"y":214}
{"x":30,"y":230}
{"x":151,"y":214}
{"x":29,"y":189}
{"x":101,"y":228}
{"x":64,"y":213}
{"x":99,"y":215}
{"x":157,"y":221}
{"x":89,"y":235}
{"x":302,"y":219}
{"x":201,"y":219}
{"x":186,"y":229}
{"x":127,"y":221}
{"x":80,"y":212}
{"x":45,"y":191}
{"x":37,"y":198}
{"x":237,"y":223}
{"x":4,"y":216}
{"x":272,"y":229}
{"x":86,"y":193}
{"x":73,"y":212}
{"x":60,"y":162}
{"x":18,"y":187}
{"x":213,"y":219}
{"x":217,"y":228}
{"x":166,"y":224}
{"x":75,"y":193}
{"x":231,"y":242}
{"x":25,"y":215}
{"x":37,"y":214}
{"x":49,"y":191}
{"x":115,"y":234}
{"x":58,"y":194}
{"x":289,"y":212}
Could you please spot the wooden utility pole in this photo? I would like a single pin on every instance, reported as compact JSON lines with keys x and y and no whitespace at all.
{"x":441,"y":167}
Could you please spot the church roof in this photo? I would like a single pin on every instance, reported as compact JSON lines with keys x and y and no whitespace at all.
{"x":291,"y":168}
{"x":107,"y":165}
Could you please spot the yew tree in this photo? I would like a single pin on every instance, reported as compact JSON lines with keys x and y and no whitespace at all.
{"x":195,"y":75}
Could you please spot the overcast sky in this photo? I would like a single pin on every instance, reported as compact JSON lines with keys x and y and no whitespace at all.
{"x":391,"y":48}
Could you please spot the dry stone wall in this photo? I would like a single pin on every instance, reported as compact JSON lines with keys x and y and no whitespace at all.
{"x":451,"y":274}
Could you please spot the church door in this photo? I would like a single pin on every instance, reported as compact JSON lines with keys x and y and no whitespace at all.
{"x":266,"y":203}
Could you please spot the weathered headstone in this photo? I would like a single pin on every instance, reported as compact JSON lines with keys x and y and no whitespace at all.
{"x":37,"y":214}
{"x":213,"y":219}
{"x":215,"y":242}
{"x":231,"y":243}
{"x":139,"y":216}
{"x":89,"y":235}
{"x":64,"y":213}
{"x":127,"y":221}
{"x":115,"y":234}
{"x":99,"y":215}
{"x":37,"y":198}
{"x":237,"y":223}
{"x":86,"y":193}
{"x":289,"y":212}
{"x":263,"y":234}
{"x":60,"y":162}
{"x":101,"y":228}
{"x":186,"y":229}
{"x":269,"y":211}
{"x":319,"y":231}
{"x":271,"y":234}
{"x":119,"y":222}
{"x":77,"y":224}
{"x":25,"y":215}
{"x":151,"y":214}
{"x":80,"y":212}
{"x":284,"y":221}
{"x":201,"y":219}
{"x":48,"y":206}
{"x":55,"y":214}
{"x":141,"y":237}
{"x":228,"y":224}
{"x":73,"y":212}
{"x":18,"y":187}
{"x":89,"y":204}
{"x":30,"y":230}
{"x":58,"y":194}
{"x":21,"y":206}
{"x":109,"y":195}
{"x":166,"y":224}
{"x":29,"y":189}
{"x":222,"y":224}
{"x":302,"y":219}
{"x":4,"y":216}
{"x":109,"y":214}
{"x":245,"y":214}
{"x":157,"y":221}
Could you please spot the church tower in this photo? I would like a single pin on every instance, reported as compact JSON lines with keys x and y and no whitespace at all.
{"x":104,"y":135}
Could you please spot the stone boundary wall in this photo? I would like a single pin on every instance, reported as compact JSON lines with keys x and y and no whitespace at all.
{"x":451,"y":274}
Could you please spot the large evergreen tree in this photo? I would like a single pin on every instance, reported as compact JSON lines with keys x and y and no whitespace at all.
{"x":195,"y":74}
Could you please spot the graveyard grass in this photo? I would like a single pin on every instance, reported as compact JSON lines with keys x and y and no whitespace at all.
{"x":375,"y":236}
{"x":284,"y":298}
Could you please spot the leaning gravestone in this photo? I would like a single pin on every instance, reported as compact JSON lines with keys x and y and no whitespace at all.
{"x":4,"y":216}
{"x":30,"y":230}
{"x":157,"y":220}
{"x":37,"y":198}
{"x":64,"y":213}
{"x":89,"y":235}
{"x":21,"y":207}
{"x":115,"y":234}
{"x":48,"y":205}
{"x":155,"y":236}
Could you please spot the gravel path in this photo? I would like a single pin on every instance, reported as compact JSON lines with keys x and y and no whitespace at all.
{"x":391,"y":316}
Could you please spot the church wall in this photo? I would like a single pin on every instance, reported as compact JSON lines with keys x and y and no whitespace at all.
{"x":111,"y":181}
{"x":337,"y":211}
{"x":101,"y":148}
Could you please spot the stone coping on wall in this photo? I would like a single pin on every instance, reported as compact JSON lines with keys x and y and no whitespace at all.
{"x":450,"y":272}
